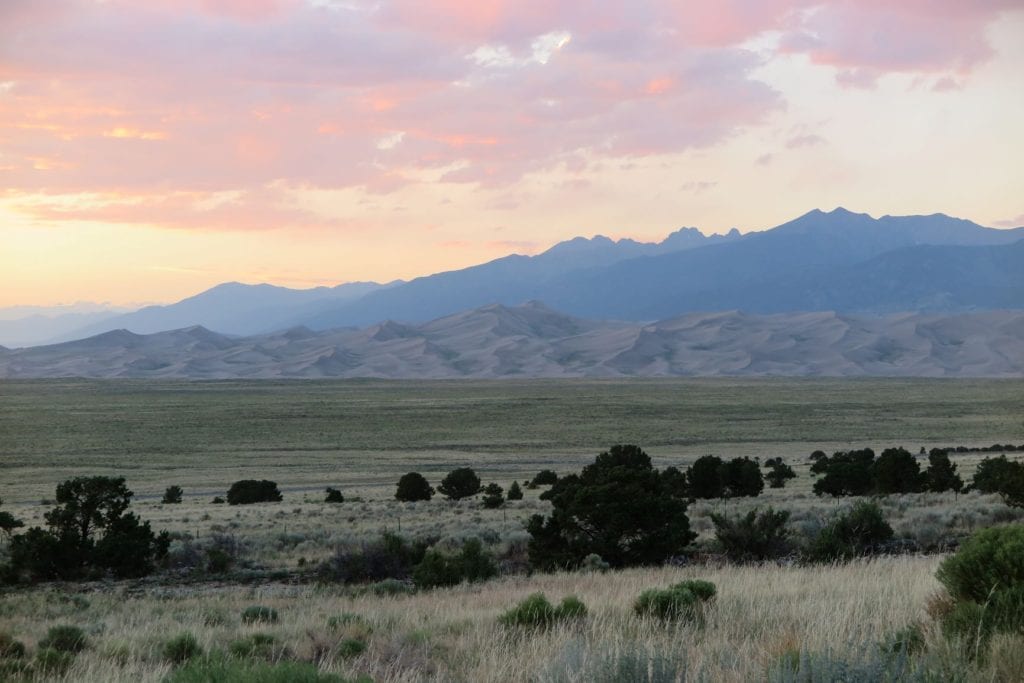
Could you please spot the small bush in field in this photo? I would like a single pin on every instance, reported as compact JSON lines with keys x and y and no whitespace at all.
{"x":217,"y":500}
{"x":350,"y":648}
{"x":753,"y":537}
{"x":514,"y":492}
{"x":985,"y":578}
{"x":412,"y":487}
{"x":218,"y":561}
{"x":64,"y":639}
{"x":259,"y":646}
{"x":855,"y":533}
{"x":544,"y":478}
{"x":537,"y":612}
{"x":258,"y":614}
{"x":172,"y":495}
{"x":594,"y":563}
{"x":248,"y":491}
{"x":334,"y":496}
{"x":684,"y":601}
{"x":472,"y":563}
{"x":10,"y":648}
{"x":182,"y":648}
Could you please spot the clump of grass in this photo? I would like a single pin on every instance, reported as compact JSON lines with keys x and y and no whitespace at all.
{"x":50,"y":661}
{"x":350,"y":648}
{"x":182,"y":648}
{"x":259,"y":646}
{"x":392,"y":587}
{"x":536,"y":611}
{"x":64,"y":639}
{"x":685,"y":601}
{"x":344,"y":619}
{"x":11,"y":648}
{"x":258,"y":614}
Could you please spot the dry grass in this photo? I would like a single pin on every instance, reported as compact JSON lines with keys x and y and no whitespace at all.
{"x":760,"y":614}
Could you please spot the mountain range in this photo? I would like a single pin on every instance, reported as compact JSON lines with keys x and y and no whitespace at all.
{"x":532,"y":340}
{"x":838,"y":261}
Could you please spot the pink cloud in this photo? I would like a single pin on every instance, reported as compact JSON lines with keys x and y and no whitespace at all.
{"x":180,"y":98}
{"x":867,"y":39}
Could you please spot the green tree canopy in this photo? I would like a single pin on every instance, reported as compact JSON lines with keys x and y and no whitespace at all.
{"x":619,"y":507}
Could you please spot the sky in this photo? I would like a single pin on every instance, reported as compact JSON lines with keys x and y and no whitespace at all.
{"x":151,"y":149}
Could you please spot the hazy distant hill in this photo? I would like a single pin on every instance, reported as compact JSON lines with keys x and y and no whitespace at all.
{"x":234,"y":308}
{"x":781,"y":269}
{"x":534,"y":341}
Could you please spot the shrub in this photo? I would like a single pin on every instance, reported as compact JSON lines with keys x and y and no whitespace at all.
{"x":349,"y":648}
{"x":536,"y":612}
{"x":226,"y":670}
{"x":258,"y":614}
{"x":182,"y":648}
{"x":686,"y":601}
{"x":991,"y":473}
{"x":493,"y":497}
{"x":753,"y":537}
{"x":412,"y":487}
{"x":248,"y":491}
{"x":259,"y":646}
{"x":217,"y":500}
{"x":990,"y":560}
{"x":985,"y":578}
{"x":779,"y":472}
{"x":594,"y":563}
{"x":172,"y":495}
{"x":858,"y":532}
{"x":514,"y":492}
{"x":460,"y":483}
{"x":619,"y":507}
{"x":334,"y":496}
{"x":545,"y":478}
{"x":218,"y":561}
{"x":616,"y":662}
{"x":472,"y":563}
{"x":10,"y":648}
{"x":64,"y":639}
{"x":391,"y":557}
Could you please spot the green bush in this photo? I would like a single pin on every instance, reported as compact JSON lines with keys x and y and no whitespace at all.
{"x":258,"y":614}
{"x":493,"y":496}
{"x":990,"y":560}
{"x":753,"y":537}
{"x":536,"y":612}
{"x":350,"y":648}
{"x":986,"y":579}
{"x":412,"y":487}
{"x":259,"y":646}
{"x":346,"y":618}
{"x":544,"y":478}
{"x":685,"y":601}
{"x":50,"y":661}
{"x":172,"y":495}
{"x":64,"y":639}
{"x":514,"y":492}
{"x":909,"y":640}
{"x":472,"y":563}
{"x":182,"y":648}
{"x":10,"y":648}
{"x":334,"y":496}
{"x":460,"y":483}
{"x":855,"y":533}
{"x":225,"y":670}
{"x":617,"y":662}
{"x":218,"y":561}
{"x":594,"y":563}
{"x":248,"y":491}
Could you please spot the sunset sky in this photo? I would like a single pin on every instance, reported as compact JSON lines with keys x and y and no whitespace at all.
{"x":152,"y":148}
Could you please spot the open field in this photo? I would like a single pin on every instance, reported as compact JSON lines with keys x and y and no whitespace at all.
{"x":362,"y":434}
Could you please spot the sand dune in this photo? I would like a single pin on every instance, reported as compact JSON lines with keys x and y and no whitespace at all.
{"x":534,"y":341}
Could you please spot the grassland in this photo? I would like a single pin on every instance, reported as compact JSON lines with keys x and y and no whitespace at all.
{"x":361,"y":436}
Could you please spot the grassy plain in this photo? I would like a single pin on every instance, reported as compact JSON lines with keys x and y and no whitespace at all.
{"x":361,"y":435}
